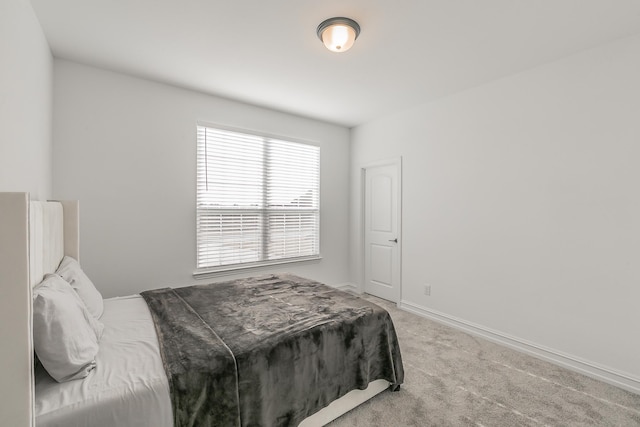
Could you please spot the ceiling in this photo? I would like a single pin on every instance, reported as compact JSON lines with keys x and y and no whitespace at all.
{"x":266,"y":52}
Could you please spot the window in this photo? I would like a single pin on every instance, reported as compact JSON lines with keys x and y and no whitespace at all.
{"x":257,"y":200}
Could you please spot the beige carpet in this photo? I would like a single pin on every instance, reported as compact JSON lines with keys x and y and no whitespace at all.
{"x":455,"y":379}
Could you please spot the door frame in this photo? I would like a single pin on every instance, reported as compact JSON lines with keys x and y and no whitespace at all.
{"x":396,"y":161}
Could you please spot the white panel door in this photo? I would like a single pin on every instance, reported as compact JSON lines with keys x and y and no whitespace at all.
{"x":382,"y":231}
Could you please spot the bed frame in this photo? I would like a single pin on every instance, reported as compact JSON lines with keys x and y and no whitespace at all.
{"x":34,"y":237}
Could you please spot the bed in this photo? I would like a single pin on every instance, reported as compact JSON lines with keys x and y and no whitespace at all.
{"x":265,"y":361}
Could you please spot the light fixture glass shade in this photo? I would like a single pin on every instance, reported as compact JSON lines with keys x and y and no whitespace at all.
{"x":338,"y":34}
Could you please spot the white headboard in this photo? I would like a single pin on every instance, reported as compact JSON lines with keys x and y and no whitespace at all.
{"x":53,"y":233}
{"x":30,"y":246}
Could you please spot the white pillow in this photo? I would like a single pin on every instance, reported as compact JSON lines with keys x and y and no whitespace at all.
{"x":65,"y":334}
{"x":71,"y":272}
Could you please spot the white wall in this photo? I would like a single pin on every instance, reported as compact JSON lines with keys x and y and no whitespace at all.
{"x":25,"y":101}
{"x":126,"y":148}
{"x":522,"y":208}
{"x":25,"y":166}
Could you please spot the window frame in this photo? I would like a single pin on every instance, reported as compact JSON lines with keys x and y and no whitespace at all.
{"x":228,"y":269}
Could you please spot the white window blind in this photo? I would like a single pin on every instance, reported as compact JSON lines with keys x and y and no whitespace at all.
{"x":257,"y":199}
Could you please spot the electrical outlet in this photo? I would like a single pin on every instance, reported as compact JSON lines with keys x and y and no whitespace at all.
{"x":427,"y":289}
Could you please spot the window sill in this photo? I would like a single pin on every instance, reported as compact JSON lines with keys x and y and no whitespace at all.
{"x":206,"y":273}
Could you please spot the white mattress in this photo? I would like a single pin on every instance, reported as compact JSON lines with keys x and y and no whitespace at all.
{"x":129,"y":386}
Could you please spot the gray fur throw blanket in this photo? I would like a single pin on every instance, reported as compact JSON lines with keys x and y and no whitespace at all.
{"x":269,"y":350}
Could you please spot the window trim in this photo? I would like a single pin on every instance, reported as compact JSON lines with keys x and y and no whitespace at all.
{"x":227,"y":270}
{"x":255,"y":132}
{"x":230,"y":269}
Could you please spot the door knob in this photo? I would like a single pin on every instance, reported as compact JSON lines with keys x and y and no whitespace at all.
{"x":394,"y":240}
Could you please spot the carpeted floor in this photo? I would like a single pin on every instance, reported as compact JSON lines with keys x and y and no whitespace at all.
{"x":455,"y":379}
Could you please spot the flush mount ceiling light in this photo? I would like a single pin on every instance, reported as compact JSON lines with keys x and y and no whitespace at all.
{"x":338,"y":34}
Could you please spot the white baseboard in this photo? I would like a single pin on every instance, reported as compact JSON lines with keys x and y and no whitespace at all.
{"x":602,"y":373}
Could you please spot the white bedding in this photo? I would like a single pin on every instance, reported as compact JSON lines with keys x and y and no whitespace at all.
{"x":129,"y":387}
